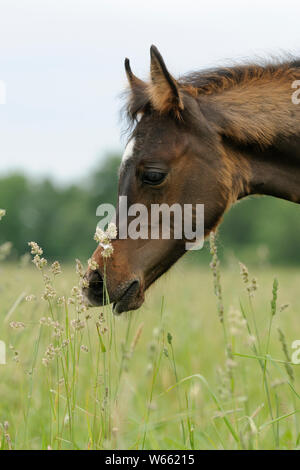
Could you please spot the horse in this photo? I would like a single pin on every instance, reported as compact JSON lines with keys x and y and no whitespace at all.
{"x":211,"y":137}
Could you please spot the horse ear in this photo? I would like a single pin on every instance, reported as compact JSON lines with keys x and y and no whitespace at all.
{"x":134,"y":82}
{"x":164,"y":90}
{"x":138,"y":96}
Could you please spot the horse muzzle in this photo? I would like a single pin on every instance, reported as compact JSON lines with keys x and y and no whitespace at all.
{"x":127,"y":296}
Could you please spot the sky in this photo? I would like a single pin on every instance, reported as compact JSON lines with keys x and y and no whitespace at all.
{"x":62,"y":65}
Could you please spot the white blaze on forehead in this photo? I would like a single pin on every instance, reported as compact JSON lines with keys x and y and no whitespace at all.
{"x":128,"y":150}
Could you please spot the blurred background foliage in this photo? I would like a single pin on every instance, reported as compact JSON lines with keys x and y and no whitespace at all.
{"x":62,"y":219}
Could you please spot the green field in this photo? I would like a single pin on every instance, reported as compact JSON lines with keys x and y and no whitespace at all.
{"x":118,"y":390}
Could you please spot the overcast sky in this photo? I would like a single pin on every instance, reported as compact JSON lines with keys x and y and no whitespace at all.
{"x":62,"y":62}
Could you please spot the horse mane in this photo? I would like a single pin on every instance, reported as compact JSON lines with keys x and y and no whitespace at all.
{"x":250,"y":103}
{"x":216,"y":80}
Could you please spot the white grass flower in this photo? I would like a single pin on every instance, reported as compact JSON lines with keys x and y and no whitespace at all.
{"x":80,"y":298}
{"x":35,"y":248}
{"x":107,"y":250}
{"x":17,"y":325}
{"x":252,"y":287}
{"x":78,"y":324}
{"x":104,"y":239}
{"x":84,"y":283}
{"x":30,"y":298}
{"x":2,"y":213}
{"x":75,"y":291}
{"x":50,"y":354}
{"x":111,"y":231}
{"x":39,"y":262}
{"x":81,"y":308}
{"x":49,"y":292}
{"x":244,"y":273}
{"x":60,"y":300}
{"x":57,"y":329}
{"x":100,"y":236}
{"x":56,"y":268}
{"x":79,"y":268}
{"x":93,"y":265}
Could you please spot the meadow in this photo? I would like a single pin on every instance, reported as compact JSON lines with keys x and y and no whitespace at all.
{"x":204,"y":364}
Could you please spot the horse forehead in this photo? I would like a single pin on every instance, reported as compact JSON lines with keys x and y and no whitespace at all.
{"x":129,"y":151}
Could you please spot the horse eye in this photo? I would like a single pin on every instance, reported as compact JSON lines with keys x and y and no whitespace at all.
{"x":153,"y":177}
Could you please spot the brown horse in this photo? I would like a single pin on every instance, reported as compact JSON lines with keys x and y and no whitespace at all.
{"x":211,"y":138}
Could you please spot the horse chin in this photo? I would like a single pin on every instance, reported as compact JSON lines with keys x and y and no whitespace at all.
{"x":131,"y":299}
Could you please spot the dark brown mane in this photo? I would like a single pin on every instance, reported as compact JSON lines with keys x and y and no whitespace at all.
{"x":219,"y":79}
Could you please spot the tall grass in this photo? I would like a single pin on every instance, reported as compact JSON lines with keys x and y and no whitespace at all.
{"x":180,"y":377}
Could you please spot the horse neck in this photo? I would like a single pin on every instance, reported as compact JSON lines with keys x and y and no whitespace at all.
{"x":259,"y":123}
{"x":274,"y":171}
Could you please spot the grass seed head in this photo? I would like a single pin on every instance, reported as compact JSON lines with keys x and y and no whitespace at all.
{"x":39,"y":262}
{"x":79,"y":268}
{"x":49,"y":292}
{"x":244,"y":273}
{"x":93,"y":265}
{"x":100,"y":236}
{"x":274,"y":296}
{"x":78,"y":324}
{"x":56,"y":268}
{"x":287,"y":366}
{"x":107,"y":250}
{"x":35,"y":248}
{"x":283,"y":307}
{"x":30,"y":298}
{"x":111,"y":231}
{"x":17,"y":325}
{"x":104,"y":239}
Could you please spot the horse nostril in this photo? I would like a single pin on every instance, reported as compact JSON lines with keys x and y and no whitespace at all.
{"x":95,"y":290}
{"x":95,"y":278}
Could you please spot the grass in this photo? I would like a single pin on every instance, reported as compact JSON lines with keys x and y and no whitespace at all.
{"x":201,"y":365}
